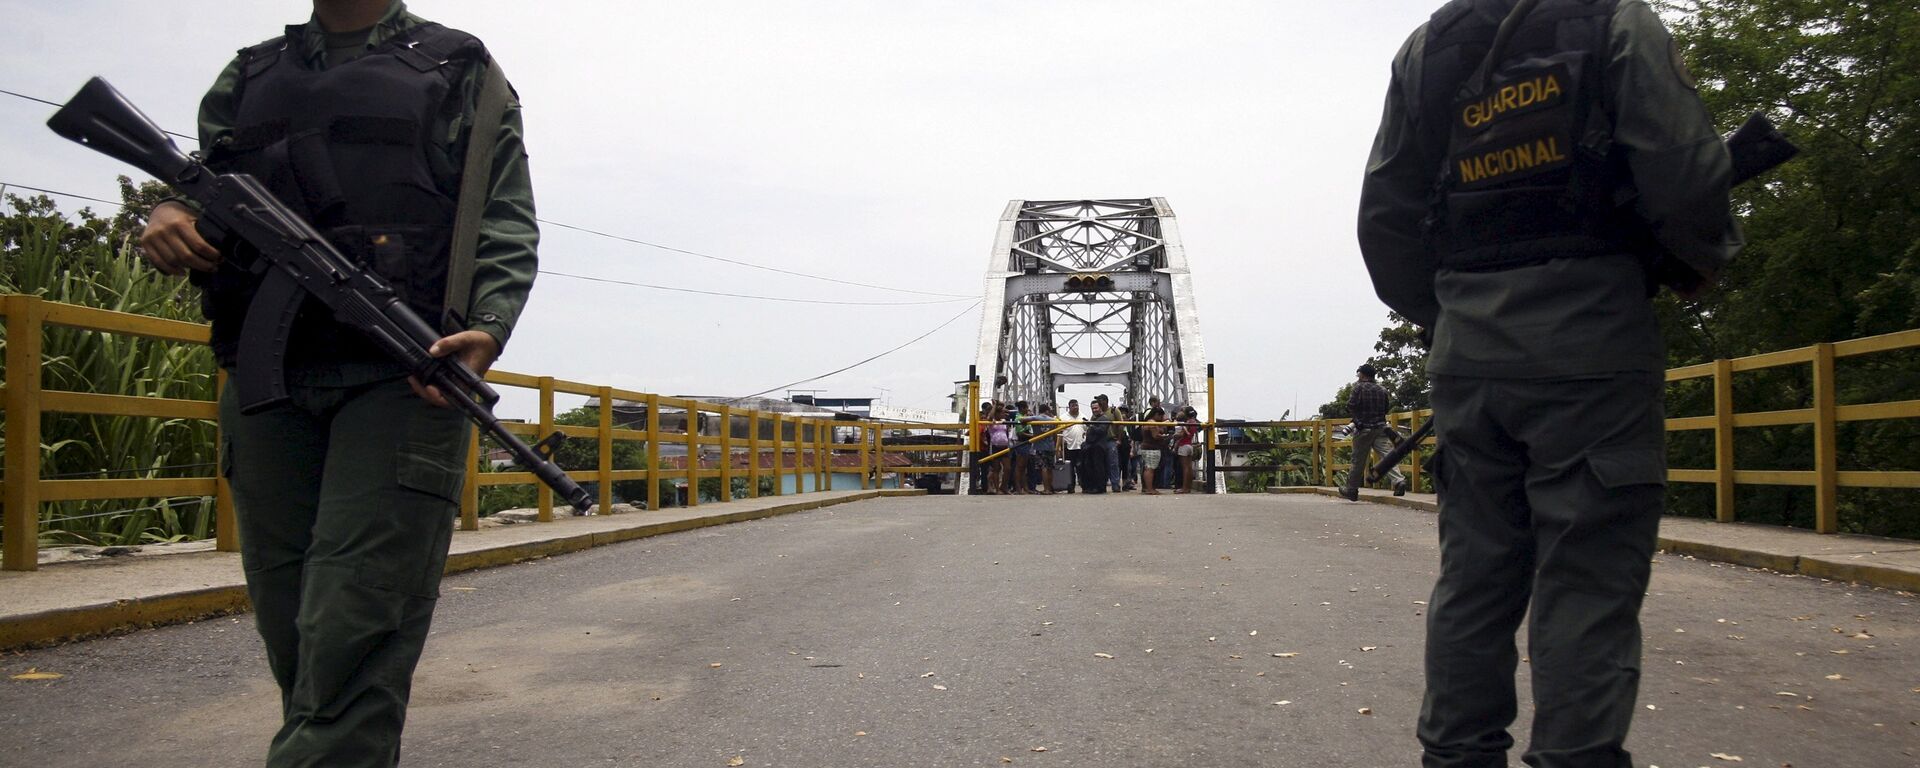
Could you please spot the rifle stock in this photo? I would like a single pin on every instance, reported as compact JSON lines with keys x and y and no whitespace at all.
{"x":294,"y":262}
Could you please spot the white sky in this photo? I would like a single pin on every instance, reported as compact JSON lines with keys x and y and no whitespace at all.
{"x":871,"y":141}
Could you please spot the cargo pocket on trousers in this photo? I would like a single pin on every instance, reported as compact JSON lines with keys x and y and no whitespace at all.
{"x":414,"y":566}
{"x":1625,"y":467}
{"x":426,"y":474}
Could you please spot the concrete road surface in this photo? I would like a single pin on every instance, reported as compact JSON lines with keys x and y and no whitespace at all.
{"x":1108,"y":631}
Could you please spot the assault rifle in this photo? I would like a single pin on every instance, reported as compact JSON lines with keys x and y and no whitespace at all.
{"x":1757,"y":147}
{"x":294,"y":261}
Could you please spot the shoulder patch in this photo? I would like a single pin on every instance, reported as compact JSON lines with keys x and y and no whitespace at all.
{"x":1680,"y":65}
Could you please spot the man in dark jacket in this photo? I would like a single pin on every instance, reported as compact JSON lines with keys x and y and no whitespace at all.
{"x":1520,"y":202}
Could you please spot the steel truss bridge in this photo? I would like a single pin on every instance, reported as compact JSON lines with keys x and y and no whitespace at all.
{"x":1091,"y":292}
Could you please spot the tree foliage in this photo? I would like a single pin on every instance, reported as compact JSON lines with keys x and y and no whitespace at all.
{"x":1399,"y":364}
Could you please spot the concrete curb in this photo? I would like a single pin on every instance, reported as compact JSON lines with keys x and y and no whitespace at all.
{"x":1833,"y":566}
{"x":53,"y":627}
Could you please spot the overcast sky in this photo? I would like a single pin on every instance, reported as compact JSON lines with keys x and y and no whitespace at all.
{"x":869,"y":141}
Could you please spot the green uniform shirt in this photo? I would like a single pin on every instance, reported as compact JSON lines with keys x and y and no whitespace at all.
{"x":1564,"y":317}
{"x":506,"y":255}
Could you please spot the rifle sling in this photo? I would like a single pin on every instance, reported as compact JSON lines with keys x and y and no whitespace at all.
{"x":476,"y":176}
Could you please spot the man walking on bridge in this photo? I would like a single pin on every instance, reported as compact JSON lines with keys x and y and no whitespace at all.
{"x":1540,"y":167}
{"x":361,"y":120}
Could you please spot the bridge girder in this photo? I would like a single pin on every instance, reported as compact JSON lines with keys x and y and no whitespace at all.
{"x":1141,"y":330}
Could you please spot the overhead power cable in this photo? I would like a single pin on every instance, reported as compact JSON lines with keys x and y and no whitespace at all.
{"x":10,"y":184}
{"x":759,"y":298}
{"x":5,"y":184}
{"x":610,"y":236}
{"x":751,"y":265}
{"x":908,"y":343}
{"x":56,"y":105}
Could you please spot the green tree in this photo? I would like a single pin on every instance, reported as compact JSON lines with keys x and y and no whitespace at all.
{"x":1833,"y":240}
{"x":1399,"y":365}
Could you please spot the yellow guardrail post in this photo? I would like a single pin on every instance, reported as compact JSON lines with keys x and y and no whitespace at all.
{"x":818,"y":460}
{"x":866,"y":466}
{"x":1723,"y":440}
{"x":693,"y":453}
{"x":880,"y":458}
{"x":1826,"y":472}
{"x":823,"y":456}
{"x":1328,"y":445}
{"x":22,"y":492}
{"x":1212,"y":477}
{"x":226,"y":527}
{"x":606,"y":450}
{"x":753,"y":454}
{"x":726,"y":453}
{"x":653,"y":453}
{"x":779,"y":454}
{"x":544,"y":493}
{"x":470,"y":491}
{"x":1413,"y":456}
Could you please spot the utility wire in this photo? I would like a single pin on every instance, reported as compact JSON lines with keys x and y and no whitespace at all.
{"x":6,"y":184}
{"x":597,"y":233}
{"x":760,"y":298}
{"x":58,"y":104}
{"x":10,"y":184}
{"x":750,"y":265}
{"x":908,"y":343}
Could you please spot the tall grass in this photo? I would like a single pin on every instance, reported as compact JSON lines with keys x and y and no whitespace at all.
{"x":93,"y":264}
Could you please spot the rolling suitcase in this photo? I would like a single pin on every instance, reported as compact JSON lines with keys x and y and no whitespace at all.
{"x":1062,"y":476}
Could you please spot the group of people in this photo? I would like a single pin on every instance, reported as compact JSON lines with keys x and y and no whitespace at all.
{"x":1021,"y":445}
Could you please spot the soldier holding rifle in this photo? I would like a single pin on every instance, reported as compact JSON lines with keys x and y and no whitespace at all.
{"x":399,"y":140}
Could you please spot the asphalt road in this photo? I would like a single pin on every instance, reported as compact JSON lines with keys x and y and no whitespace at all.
{"x":1110,"y":631}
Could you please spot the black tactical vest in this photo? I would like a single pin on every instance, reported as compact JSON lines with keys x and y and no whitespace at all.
{"x":1527,"y":168}
{"x":349,"y":148}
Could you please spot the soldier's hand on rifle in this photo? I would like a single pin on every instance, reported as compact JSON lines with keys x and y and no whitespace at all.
{"x":171,"y":243}
{"x":476,"y":349}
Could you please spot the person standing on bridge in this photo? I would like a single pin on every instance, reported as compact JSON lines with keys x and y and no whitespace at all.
{"x":1072,"y":442}
{"x":1524,"y":203}
{"x":1367,"y":402}
{"x":1093,"y":476}
{"x":361,"y":119}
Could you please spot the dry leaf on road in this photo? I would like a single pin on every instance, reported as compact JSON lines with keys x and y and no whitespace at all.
{"x":1103,"y":655}
{"x":1727,"y":757}
{"x":737,"y":761}
{"x":1287,"y":655}
{"x":939,"y":687}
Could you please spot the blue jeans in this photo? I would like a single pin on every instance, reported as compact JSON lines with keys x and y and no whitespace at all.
{"x":1113,"y":464}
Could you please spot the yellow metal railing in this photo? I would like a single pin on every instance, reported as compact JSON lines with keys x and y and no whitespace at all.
{"x":1824,"y":414}
{"x":787,"y":445}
